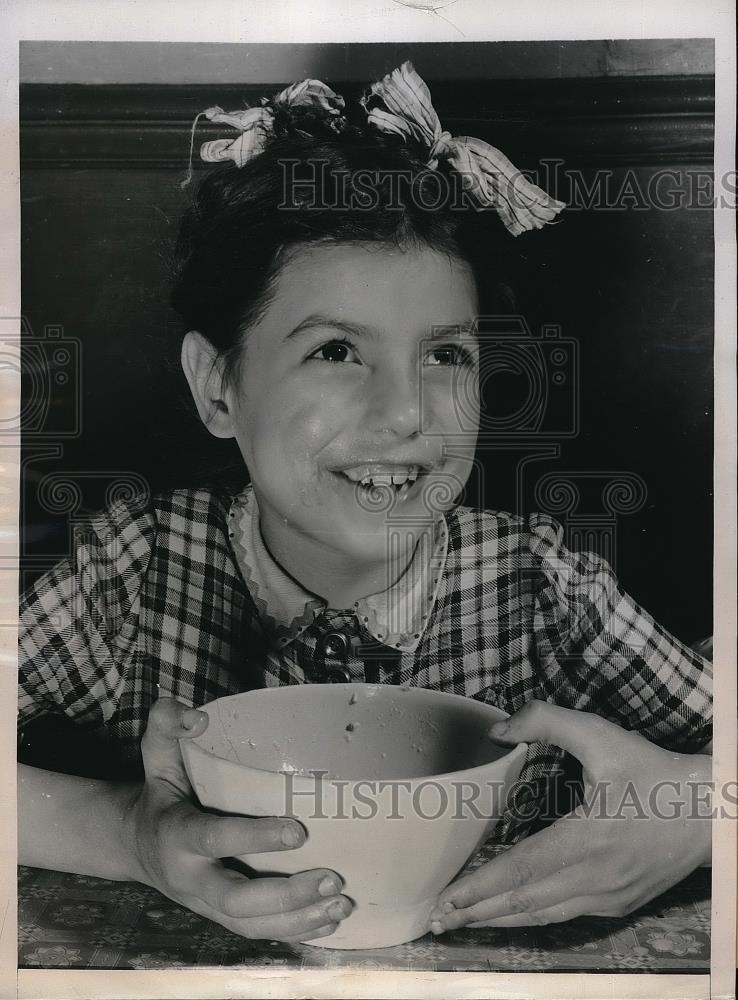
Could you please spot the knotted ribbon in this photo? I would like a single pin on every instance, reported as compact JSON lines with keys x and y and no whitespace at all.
{"x":256,"y":125}
{"x":490,"y":177}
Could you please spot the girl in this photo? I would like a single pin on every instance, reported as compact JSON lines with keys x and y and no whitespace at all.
{"x":330,"y":299}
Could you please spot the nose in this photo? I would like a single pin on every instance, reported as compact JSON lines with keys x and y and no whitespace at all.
{"x":394,"y":403}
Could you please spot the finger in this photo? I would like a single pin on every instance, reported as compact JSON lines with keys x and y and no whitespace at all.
{"x":168,"y":722}
{"x":312,"y":935}
{"x":556,"y":848}
{"x":555,"y":890}
{"x":213,"y":836}
{"x":234,"y":895}
{"x":296,"y":924}
{"x":589,"y":737}
{"x":570,"y":909}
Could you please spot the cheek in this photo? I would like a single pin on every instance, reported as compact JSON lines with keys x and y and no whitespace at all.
{"x":293,"y":424}
{"x":310,"y":423}
{"x":455,"y":403}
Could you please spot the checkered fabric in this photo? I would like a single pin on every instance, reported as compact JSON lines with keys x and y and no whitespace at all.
{"x":153,"y":603}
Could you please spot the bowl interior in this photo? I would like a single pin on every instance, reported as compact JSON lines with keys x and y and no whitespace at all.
{"x":352,"y":731}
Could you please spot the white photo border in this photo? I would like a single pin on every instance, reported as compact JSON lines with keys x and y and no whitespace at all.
{"x":381,"y":21}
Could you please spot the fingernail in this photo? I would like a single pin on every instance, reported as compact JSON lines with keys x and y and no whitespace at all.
{"x":448,"y":908}
{"x":191,"y":717}
{"x":499,"y":729}
{"x":329,"y":886}
{"x":436,"y":927}
{"x":292,"y":835}
{"x":337,"y":910}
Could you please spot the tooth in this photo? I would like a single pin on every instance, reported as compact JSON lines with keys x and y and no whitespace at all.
{"x":397,"y":479}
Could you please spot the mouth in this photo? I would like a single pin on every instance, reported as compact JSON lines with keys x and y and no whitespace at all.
{"x":375,"y":478}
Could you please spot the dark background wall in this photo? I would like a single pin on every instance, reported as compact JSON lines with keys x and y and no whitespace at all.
{"x":628,"y":283}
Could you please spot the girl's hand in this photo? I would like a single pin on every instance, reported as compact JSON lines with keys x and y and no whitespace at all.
{"x":178,"y":847}
{"x":614,"y":853}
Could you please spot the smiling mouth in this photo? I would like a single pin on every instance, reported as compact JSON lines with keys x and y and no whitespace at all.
{"x":375,"y":478}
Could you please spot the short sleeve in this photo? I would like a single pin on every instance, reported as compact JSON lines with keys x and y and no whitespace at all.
{"x":78,"y":622}
{"x":599,"y":651}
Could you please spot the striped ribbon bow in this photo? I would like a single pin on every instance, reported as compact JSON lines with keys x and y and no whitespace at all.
{"x":491,"y":178}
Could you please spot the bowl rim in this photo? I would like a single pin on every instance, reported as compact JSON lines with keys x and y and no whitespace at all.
{"x":518,"y":750}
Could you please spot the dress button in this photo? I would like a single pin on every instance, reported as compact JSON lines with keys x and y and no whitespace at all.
{"x":334,"y":646}
{"x":337,"y":675}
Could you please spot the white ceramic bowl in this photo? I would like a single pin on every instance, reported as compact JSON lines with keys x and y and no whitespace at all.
{"x":396,"y":787}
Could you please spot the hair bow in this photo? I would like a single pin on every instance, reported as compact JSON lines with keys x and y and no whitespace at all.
{"x":256,"y":125}
{"x":491,"y":178}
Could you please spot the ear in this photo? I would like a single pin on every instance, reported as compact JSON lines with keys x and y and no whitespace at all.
{"x":203,"y":368}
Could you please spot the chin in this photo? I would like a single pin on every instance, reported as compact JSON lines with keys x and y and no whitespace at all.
{"x":374,"y":540}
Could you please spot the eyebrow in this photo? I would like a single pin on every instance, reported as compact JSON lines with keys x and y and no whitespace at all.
{"x":317,"y":319}
{"x":442,"y":331}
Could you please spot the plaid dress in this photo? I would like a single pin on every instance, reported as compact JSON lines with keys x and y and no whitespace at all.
{"x":154,"y":602}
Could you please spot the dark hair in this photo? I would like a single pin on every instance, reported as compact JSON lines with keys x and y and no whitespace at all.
{"x":318,"y":180}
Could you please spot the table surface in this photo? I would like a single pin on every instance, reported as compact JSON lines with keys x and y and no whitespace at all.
{"x":75,"y":921}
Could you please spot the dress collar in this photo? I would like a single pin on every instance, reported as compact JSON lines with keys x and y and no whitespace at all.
{"x":396,"y":617}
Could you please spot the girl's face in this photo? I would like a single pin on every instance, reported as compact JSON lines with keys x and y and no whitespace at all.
{"x":356,"y":407}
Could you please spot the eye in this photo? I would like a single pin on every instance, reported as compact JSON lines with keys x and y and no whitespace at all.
{"x":449,"y":355}
{"x":335,"y":352}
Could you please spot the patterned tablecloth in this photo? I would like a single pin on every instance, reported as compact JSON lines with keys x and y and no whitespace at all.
{"x":74,"y":921}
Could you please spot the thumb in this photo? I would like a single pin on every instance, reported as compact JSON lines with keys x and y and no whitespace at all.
{"x":169,"y":721}
{"x":586,"y":735}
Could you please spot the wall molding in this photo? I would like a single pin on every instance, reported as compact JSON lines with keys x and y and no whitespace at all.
{"x":601,"y":122}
